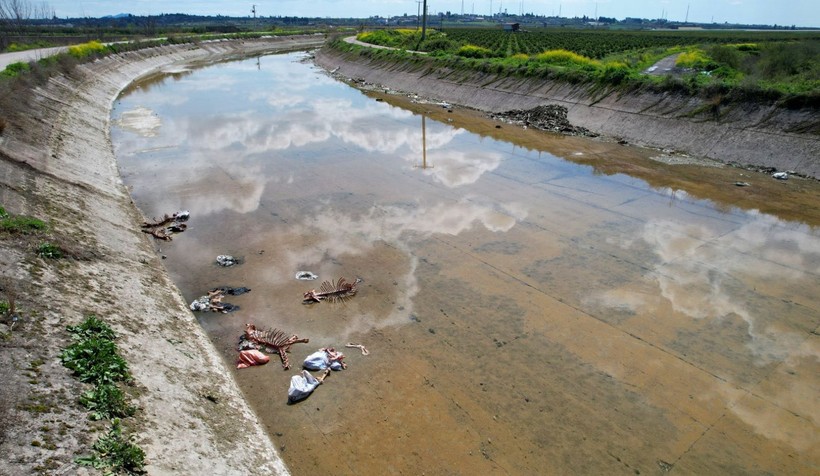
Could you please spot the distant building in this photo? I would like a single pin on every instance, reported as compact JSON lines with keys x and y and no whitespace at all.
{"x":511,"y":27}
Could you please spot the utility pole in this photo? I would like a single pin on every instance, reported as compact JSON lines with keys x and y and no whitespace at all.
{"x":687,"y":14}
{"x":253,"y":10}
{"x":424,"y":22}
{"x":418,"y":13}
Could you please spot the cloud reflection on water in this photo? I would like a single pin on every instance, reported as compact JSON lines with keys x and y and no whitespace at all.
{"x":342,"y":233}
{"x":704,"y":276}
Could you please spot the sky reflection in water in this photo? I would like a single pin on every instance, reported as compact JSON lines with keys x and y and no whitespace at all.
{"x":272,"y":155}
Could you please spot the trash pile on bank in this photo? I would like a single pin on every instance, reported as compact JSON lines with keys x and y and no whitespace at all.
{"x":547,"y":117}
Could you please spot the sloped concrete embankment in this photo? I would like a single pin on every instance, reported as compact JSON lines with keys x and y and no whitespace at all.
{"x":747,"y":134}
{"x":57,"y":163}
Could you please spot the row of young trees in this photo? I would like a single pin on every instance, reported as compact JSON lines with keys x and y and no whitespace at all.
{"x":15,"y":15}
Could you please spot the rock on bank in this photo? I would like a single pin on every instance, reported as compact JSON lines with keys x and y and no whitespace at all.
{"x":57,"y":164}
{"x":746,"y":134}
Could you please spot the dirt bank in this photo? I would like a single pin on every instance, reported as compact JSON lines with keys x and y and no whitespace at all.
{"x":57,"y":164}
{"x":743,"y":134}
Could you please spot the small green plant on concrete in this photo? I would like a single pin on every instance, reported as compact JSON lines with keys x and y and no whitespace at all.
{"x":92,"y":326}
{"x":106,"y":401}
{"x":93,"y":355}
{"x":49,"y":250}
{"x":115,"y":453}
{"x":94,"y":358}
{"x":21,"y":224}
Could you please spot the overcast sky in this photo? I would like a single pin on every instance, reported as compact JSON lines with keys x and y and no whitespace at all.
{"x":767,"y":12}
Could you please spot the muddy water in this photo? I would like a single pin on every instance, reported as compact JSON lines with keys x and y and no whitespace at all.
{"x":532,"y":304}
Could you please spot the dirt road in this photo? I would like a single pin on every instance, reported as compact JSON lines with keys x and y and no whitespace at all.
{"x":29,"y":55}
{"x":664,"y":66}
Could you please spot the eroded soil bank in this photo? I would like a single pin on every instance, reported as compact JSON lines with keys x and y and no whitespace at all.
{"x":744,"y":134}
{"x":58,"y":165}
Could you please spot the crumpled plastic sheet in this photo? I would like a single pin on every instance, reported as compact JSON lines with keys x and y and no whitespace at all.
{"x":321,"y":360}
{"x":202,"y":304}
{"x":251,"y":357}
{"x":226,"y":260}
{"x":306,"y":276}
{"x":301,"y":386}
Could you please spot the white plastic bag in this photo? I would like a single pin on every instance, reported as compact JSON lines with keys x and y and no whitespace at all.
{"x":325,"y":358}
{"x":317,"y":361}
{"x":301,"y":386}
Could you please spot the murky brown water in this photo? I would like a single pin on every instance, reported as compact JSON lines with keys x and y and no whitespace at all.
{"x":600,"y":313}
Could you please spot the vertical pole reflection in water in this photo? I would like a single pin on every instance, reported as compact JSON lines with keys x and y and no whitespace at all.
{"x":424,"y":165}
{"x":524,"y":315}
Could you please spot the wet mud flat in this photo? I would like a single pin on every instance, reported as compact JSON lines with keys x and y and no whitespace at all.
{"x":532,"y":304}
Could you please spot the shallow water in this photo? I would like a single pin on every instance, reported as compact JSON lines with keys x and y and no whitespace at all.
{"x":532,"y":305}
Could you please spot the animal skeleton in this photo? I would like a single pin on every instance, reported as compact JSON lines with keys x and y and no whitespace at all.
{"x":177,"y":217}
{"x":170,"y":224}
{"x":275,"y":339}
{"x":333,"y":292}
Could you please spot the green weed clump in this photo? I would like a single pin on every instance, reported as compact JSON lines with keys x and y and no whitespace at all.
{"x":85,"y":50}
{"x":473,"y":51}
{"x":614,"y":72}
{"x":566,"y":58}
{"x":106,"y":401}
{"x":20,"y":224}
{"x":49,"y":251}
{"x":15,"y":69}
{"x":115,"y":453}
{"x":695,"y":59}
{"x":392,"y":38}
{"x":93,"y":356}
{"x":14,"y":47}
{"x":408,"y":39}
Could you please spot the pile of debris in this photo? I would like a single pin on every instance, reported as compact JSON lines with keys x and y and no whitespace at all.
{"x":213,"y":301}
{"x":167,"y":226}
{"x":548,"y":117}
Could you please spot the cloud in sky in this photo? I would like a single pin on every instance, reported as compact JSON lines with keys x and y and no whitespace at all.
{"x":768,"y":12}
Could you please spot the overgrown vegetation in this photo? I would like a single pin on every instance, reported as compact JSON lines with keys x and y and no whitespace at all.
{"x":94,"y":358}
{"x":85,"y":50}
{"x":408,"y":39}
{"x":733,"y":65}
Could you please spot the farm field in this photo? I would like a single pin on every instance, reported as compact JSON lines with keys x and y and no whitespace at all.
{"x":748,"y":65}
{"x":599,"y":44}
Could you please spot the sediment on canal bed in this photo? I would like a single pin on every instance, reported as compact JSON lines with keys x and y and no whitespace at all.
{"x":57,"y":164}
{"x":759,"y":135}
